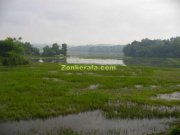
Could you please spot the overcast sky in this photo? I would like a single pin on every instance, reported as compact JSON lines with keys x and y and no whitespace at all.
{"x":78,"y":22}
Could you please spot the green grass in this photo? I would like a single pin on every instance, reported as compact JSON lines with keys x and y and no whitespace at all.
{"x":30,"y":91}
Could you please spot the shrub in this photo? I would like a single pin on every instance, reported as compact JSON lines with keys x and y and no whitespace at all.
{"x":175,"y":131}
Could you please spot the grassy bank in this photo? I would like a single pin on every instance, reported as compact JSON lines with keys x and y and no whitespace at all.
{"x":43,"y":90}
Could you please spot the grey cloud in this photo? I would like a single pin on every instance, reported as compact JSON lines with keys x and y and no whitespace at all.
{"x":90,"y":21}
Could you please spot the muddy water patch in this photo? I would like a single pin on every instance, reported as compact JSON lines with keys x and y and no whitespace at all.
{"x":162,"y":108}
{"x":52,"y":79}
{"x":153,"y":86}
{"x":94,"y":86}
{"x":119,"y":104}
{"x":86,"y":123}
{"x":171,"y":96}
{"x":138,"y":86}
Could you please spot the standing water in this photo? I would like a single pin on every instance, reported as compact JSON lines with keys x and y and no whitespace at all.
{"x":171,"y":96}
{"x":92,"y":123}
{"x":75,"y":60}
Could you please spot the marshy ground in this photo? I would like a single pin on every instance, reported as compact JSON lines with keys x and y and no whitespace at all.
{"x":42,"y":90}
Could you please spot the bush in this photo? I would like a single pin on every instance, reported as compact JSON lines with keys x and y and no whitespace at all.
{"x":11,"y":52}
{"x":175,"y":131}
{"x":14,"y":59}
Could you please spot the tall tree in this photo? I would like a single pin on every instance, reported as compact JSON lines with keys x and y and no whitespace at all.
{"x":55,"y":49}
{"x":52,"y":51}
{"x":64,"y":49}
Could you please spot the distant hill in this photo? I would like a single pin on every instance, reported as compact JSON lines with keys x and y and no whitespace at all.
{"x":99,"y":50}
{"x":96,"y":51}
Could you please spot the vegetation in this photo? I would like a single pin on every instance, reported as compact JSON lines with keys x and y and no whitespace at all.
{"x":64,"y":49}
{"x":175,"y":131}
{"x":11,"y":52}
{"x":29,"y":50}
{"x":43,"y":90}
{"x":54,"y":50}
{"x":15,"y":52}
{"x":154,"y":48}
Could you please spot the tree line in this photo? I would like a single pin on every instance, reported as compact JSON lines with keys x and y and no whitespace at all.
{"x":154,"y":48}
{"x":15,"y":52}
{"x":55,"y":50}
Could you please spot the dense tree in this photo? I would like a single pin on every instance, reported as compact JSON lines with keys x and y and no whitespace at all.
{"x":54,"y":50}
{"x":30,"y":50}
{"x":153,"y":48}
{"x":9,"y":45}
{"x":47,"y":51}
{"x":11,"y":52}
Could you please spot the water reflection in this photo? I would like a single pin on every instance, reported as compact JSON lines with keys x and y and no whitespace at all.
{"x":76,"y":60}
{"x":86,"y":123}
{"x":95,"y":61}
{"x":171,"y":96}
{"x":160,"y":62}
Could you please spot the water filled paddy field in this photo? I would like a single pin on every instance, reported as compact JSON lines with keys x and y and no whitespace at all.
{"x":42,"y":99}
